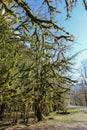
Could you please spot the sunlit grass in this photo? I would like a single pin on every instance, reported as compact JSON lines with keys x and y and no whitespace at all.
{"x":66,"y":117}
{"x":76,"y":115}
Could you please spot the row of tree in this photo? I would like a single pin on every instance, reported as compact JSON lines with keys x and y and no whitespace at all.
{"x":79,"y":94}
{"x":34,"y":68}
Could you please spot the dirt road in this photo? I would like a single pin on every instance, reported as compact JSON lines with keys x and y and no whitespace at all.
{"x":79,"y":123}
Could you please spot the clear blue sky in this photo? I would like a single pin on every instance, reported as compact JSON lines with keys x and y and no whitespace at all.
{"x":77,"y":25}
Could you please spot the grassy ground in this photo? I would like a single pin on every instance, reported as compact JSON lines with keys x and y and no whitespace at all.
{"x":67,"y":117}
{"x":76,"y":120}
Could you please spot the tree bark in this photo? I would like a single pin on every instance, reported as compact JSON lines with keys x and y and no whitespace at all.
{"x":2,"y":107}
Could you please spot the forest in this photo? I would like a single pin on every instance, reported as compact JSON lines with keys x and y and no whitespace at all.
{"x":35,"y":64}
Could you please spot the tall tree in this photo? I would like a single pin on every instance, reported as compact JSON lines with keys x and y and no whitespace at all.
{"x":37,"y":66}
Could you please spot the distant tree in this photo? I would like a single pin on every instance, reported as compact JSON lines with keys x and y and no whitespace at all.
{"x":84,"y":81}
{"x":79,"y":95}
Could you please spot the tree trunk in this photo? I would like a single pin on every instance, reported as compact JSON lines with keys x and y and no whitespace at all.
{"x":39,"y":114}
{"x":2,"y":107}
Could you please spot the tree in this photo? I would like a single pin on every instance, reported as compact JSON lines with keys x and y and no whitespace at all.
{"x":37,"y":65}
{"x":79,"y":95}
{"x":5,"y":48}
{"x":12,"y":52}
{"x":84,"y":82}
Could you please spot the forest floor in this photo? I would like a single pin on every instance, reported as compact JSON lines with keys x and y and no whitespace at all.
{"x":76,"y":120}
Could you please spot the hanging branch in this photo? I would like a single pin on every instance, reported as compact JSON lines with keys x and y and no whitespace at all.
{"x":85,"y":4}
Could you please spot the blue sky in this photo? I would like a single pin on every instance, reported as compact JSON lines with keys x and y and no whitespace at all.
{"x":77,"y":25}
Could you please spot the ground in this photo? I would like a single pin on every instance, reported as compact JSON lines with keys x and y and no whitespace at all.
{"x":77,"y":120}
